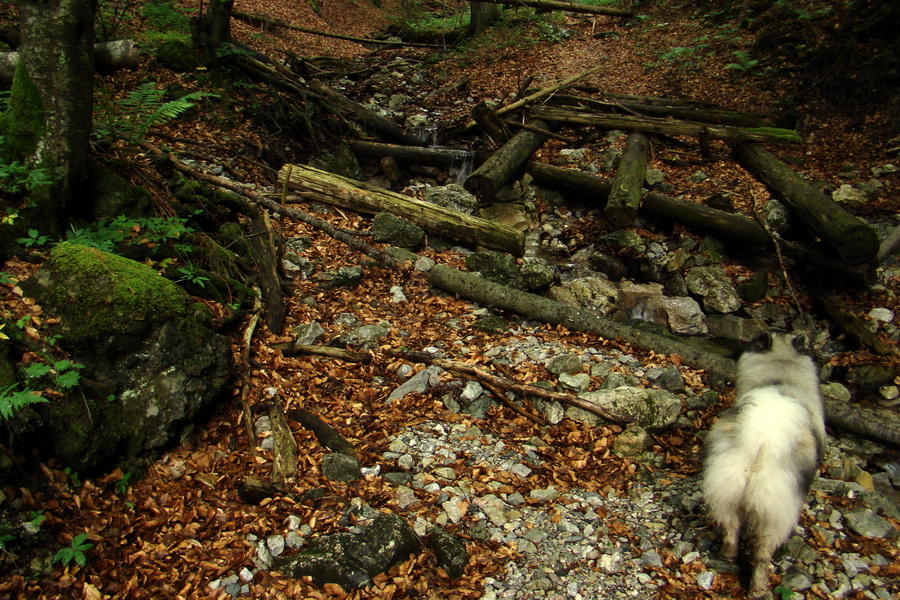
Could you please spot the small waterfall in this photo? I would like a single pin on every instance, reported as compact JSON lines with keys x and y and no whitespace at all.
{"x":460,"y":169}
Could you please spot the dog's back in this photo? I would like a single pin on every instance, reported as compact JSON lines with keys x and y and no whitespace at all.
{"x":762,"y":454}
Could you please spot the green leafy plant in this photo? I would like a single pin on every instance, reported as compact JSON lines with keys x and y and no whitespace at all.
{"x":144,"y":107}
{"x":12,"y":401}
{"x":192,"y":274}
{"x":745,"y":64}
{"x":75,"y":551}
{"x":107,"y":235}
{"x":785,"y":593}
{"x":74,"y":477}
{"x":123,"y":483}
{"x":34,"y":239}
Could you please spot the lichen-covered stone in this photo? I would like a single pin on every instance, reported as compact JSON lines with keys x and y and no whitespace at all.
{"x":151,"y":359}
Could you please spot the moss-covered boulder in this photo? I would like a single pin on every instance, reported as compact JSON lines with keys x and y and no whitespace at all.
{"x":151,"y":359}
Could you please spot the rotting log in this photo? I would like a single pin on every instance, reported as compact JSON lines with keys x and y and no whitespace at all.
{"x":731,"y":228}
{"x":559,"y":5}
{"x":108,"y":57}
{"x":285,"y":461}
{"x":438,"y":157}
{"x":868,"y":423}
{"x":491,"y":124}
{"x":628,"y":183}
{"x":728,"y":133}
{"x":267,"y":20}
{"x":479,"y":289}
{"x":664,"y":108}
{"x":540,"y":93}
{"x":852,"y":239}
{"x":315,"y":184}
{"x":379,"y":123}
{"x":327,"y":435}
{"x":293,"y":348}
{"x":486,"y":180}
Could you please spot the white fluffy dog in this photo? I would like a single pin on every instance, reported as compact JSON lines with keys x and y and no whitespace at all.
{"x":762,"y":454}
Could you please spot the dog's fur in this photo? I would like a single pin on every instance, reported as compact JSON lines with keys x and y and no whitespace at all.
{"x":762,"y":454}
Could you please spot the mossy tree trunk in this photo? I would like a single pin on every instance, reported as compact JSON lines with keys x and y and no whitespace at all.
{"x":55,"y":86}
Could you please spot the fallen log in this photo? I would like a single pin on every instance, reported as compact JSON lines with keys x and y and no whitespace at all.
{"x":731,"y":228}
{"x":347,"y":106}
{"x":871,"y":424}
{"x":108,"y":57}
{"x":540,"y":94}
{"x":479,"y":289}
{"x":567,"y":7}
{"x":491,"y":124}
{"x":293,"y":348}
{"x":438,"y":157}
{"x":486,"y":180}
{"x":327,"y":435}
{"x":728,"y":133}
{"x":662,"y":107}
{"x":311,"y":183}
{"x":266,"y":20}
{"x":285,"y":461}
{"x":628,"y":183}
{"x":852,"y":239}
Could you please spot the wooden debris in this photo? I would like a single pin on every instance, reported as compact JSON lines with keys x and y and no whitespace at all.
{"x":852,"y":239}
{"x":315,"y":184}
{"x":667,"y":126}
{"x":627,"y":185}
{"x":285,"y":461}
{"x":327,"y":435}
{"x":293,"y":348}
{"x":568,"y":7}
{"x":493,"y":174}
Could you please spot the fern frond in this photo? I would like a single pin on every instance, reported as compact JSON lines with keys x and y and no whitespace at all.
{"x":12,"y":402}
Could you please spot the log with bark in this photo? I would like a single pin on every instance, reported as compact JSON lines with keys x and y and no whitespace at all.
{"x":541,"y":93}
{"x":327,"y":435}
{"x":868,"y":423}
{"x":628,"y":183}
{"x":108,"y":57}
{"x":474,"y":287}
{"x":343,"y":105}
{"x":852,"y":239}
{"x":559,"y":5}
{"x":293,"y":349}
{"x":728,"y":133}
{"x":285,"y":461}
{"x":486,"y":180}
{"x":313,"y":184}
{"x":490,"y":124}
{"x":663,"y":108}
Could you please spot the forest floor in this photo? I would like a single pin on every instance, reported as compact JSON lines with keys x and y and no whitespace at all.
{"x":182,"y":525}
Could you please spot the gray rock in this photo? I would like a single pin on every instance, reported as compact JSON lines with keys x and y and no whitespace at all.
{"x":777,"y":216}
{"x":731,"y":327}
{"x":150,"y":354}
{"x":340,"y":467}
{"x":651,"y":409}
{"x":607,"y":264}
{"x":499,"y":267}
{"x":593,"y":293}
{"x":522,"y":217}
{"x":536,"y":273}
{"x":849,"y":194}
{"x":351,"y":560}
{"x":452,"y":196}
{"x":565,"y":363}
{"x":869,"y":378}
{"x":387,"y":227}
{"x":716,"y":290}
{"x":345,"y":277}
{"x":309,"y":334}
{"x":866,"y":523}
{"x":418,"y":383}
{"x":365,"y":335}
{"x":450,"y":550}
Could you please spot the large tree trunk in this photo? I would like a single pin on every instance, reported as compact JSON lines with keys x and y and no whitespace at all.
{"x":212,"y":28}
{"x":57,"y":60}
{"x":852,"y":239}
{"x":481,"y":15}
